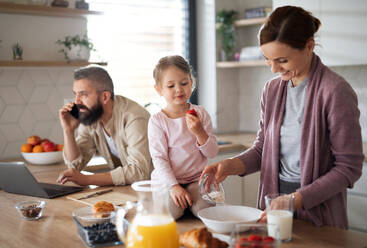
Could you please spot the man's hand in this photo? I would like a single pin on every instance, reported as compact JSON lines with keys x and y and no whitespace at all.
{"x":72,"y":175}
{"x":68,"y":122}
{"x":180,"y":196}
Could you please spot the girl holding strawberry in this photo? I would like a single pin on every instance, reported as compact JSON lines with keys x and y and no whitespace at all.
{"x":180,"y":136}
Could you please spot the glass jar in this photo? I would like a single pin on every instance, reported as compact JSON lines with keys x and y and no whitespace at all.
{"x":153,"y":226}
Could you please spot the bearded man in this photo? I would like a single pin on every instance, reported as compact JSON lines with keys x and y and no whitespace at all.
{"x":115,"y":126}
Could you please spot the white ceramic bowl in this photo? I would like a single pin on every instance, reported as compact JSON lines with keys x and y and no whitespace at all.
{"x":43,"y":157}
{"x":223,"y":218}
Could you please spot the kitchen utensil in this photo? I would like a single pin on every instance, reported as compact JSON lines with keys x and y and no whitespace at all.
{"x":96,"y":194}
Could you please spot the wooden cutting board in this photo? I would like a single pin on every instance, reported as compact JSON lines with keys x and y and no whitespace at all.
{"x":114,"y":197}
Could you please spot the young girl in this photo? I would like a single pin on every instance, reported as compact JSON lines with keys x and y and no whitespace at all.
{"x":180,"y":137}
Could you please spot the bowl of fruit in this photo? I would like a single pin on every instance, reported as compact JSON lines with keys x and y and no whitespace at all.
{"x":41,"y":151}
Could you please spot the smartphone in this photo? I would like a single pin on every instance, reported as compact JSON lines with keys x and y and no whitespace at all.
{"x":75,"y":111}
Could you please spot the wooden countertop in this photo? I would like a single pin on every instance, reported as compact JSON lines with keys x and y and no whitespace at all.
{"x":57,"y":229}
{"x":245,"y":139}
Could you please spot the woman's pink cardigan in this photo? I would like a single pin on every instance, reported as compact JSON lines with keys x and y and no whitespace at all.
{"x":331,"y":145}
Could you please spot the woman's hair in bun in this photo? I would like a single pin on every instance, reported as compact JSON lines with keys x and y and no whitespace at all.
{"x":291,"y":25}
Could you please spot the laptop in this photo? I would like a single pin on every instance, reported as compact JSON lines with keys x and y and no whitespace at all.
{"x":16,"y":178}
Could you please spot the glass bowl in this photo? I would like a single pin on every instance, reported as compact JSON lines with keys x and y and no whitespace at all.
{"x":255,"y":235}
{"x":211,"y":191}
{"x":99,"y":231}
{"x":30,"y":210}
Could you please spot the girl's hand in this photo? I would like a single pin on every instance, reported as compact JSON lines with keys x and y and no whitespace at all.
{"x":180,"y":196}
{"x":196,"y":128}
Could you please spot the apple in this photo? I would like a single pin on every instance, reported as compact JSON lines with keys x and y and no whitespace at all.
{"x":33,"y":140}
{"x":44,"y":141}
{"x":49,"y":147}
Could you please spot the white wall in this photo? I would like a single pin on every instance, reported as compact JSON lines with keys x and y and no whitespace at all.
{"x":206,"y":57}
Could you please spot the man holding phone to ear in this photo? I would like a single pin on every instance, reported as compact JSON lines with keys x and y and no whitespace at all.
{"x":114,"y":126}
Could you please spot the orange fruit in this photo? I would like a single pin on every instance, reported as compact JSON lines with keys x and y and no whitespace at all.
{"x":37,"y":148}
{"x":59,"y":147}
{"x":26,"y":148}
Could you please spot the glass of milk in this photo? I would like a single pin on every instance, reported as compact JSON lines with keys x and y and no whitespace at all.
{"x":279,"y":211}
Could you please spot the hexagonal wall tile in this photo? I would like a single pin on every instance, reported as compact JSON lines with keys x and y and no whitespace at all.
{"x":54,"y":74}
{"x":2,"y":106}
{"x":12,"y":132}
{"x":56,"y":134}
{"x":12,"y":150}
{"x":40,"y":76}
{"x":25,"y":86}
{"x":41,"y":112}
{"x":3,"y":143}
{"x":44,"y":128}
{"x":66,"y":92}
{"x":66,"y":76}
{"x":11,"y":113}
{"x":27,"y":122}
{"x":11,"y":95}
{"x":40,"y":94}
{"x":55,"y":102}
{"x":10,"y":76}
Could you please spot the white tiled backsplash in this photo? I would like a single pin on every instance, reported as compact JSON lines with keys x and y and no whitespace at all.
{"x":29,"y":102}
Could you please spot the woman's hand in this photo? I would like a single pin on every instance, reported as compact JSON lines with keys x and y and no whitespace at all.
{"x":222,"y":169}
{"x":180,"y":196}
{"x":281,"y":201}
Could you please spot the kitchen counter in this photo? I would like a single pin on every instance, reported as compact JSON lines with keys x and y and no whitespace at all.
{"x":57,"y":228}
{"x":245,"y":139}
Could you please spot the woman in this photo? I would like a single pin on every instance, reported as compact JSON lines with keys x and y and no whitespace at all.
{"x":309,"y":143}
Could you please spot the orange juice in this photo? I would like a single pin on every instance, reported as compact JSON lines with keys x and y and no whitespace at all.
{"x":153,"y":231}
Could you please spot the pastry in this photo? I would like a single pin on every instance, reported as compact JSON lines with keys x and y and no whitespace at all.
{"x":100,"y":208}
{"x":200,"y":238}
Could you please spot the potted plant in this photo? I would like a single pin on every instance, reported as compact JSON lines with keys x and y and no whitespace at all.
{"x":227,"y":32}
{"x":76,"y":47}
{"x":17,"y":51}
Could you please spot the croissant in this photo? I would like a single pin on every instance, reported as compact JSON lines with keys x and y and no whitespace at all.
{"x":200,"y":238}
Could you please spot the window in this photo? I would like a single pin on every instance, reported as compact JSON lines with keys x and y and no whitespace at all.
{"x":133,"y":36}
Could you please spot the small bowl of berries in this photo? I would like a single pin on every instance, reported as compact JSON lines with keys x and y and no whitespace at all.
{"x":98,"y":231}
{"x":260,"y":235}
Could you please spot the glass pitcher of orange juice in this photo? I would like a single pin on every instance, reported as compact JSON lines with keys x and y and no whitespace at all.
{"x":153,"y":225}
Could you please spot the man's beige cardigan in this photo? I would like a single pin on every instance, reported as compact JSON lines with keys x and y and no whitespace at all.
{"x":128,"y":129}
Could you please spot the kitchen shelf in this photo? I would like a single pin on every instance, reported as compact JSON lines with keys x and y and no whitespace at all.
{"x":246,"y":22}
{"x":25,"y":63}
{"x":237,"y":64}
{"x":40,"y":10}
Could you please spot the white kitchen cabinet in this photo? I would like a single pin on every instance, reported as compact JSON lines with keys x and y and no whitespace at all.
{"x":239,"y":190}
{"x":342,"y":38}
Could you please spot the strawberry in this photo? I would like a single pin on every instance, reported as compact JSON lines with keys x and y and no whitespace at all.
{"x":192,"y":112}
{"x":254,"y":237}
{"x":268,"y":239}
